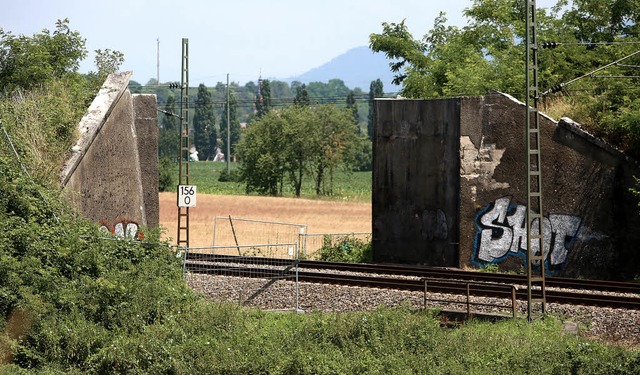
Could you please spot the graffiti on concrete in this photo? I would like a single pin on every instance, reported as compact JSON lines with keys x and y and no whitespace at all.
{"x":122,"y":229}
{"x":502,"y":232}
{"x":434,"y":225}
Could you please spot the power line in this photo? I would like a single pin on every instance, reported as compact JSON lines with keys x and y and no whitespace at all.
{"x":552,"y":45}
{"x":559,"y":87}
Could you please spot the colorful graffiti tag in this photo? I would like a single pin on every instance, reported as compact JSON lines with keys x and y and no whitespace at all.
{"x":122,"y":229}
{"x":502,"y":232}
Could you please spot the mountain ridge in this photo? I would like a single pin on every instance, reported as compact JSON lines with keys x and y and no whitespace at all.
{"x":357,"y":67}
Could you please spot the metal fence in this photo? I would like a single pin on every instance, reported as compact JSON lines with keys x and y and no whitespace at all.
{"x":258,"y":275}
{"x":469,"y":289}
{"x":230,"y":233}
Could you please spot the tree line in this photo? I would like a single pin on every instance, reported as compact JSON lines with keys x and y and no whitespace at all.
{"x":316,"y":107}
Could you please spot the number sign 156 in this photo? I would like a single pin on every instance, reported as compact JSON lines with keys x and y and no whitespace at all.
{"x":186,"y":195}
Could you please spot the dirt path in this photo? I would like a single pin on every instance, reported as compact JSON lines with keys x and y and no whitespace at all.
{"x":320,"y":216}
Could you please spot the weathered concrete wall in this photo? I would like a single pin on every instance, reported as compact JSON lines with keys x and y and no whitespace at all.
{"x":590,"y":217}
{"x":112,"y":175}
{"x":146,"y":121}
{"x":589,"y":214}
{"x":416,"y":181}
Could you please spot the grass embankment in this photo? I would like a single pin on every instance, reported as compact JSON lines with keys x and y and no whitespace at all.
{"x":351,"y":186}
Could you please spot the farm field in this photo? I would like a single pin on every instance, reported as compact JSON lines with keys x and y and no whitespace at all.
{"x":321,"y":216}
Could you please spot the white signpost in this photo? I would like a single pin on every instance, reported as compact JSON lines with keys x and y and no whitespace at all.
{"x":187,"y":195}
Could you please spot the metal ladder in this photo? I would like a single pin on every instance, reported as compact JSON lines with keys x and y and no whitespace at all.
{"x":536,"y":295}
{"x":183,"y":179}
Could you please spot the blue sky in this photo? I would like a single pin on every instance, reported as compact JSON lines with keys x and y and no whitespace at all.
{"x":245,"y":38}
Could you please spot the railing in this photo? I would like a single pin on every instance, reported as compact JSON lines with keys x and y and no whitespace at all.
{"x":466,"y":288}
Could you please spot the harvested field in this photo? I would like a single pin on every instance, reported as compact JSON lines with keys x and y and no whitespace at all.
{"x":321,"y":216}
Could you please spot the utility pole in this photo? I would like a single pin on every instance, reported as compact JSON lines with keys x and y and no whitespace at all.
{"x":158,"y":62}
{"x":534,"y":214}
{"x":228,"y":130}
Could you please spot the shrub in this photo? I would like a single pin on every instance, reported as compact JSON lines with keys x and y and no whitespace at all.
{"x":346,"y":249}
{"x":166,"y":172}
{"x":233,"y":176}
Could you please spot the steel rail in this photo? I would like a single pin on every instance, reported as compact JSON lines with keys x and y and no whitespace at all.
{"x":435,"y":272}
{"x":439,"y":286}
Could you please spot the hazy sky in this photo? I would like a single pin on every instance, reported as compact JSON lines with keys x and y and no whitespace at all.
{"x":245,"y":38}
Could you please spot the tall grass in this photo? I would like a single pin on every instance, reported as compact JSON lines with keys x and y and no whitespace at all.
{"x":228,"y":339}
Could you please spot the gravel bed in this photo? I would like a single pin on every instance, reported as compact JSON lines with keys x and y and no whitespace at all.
{"x":619,"y":326}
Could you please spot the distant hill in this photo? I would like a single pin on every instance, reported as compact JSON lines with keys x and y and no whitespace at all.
{"x":356,"y":67}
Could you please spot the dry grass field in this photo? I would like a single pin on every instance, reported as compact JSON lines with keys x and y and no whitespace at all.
{"x":321,"y":216}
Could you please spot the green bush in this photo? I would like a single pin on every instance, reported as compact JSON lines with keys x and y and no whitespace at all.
{"x":232,"y":176}
{"x":166,"y":180}
{"x":346,"y":249}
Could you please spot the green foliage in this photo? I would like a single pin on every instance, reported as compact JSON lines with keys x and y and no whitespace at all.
{"x":376,"y":90}
{"x":232,"y":117}
{"x":230,"y":176}
{"x":70,"y":303}
{"x":302,"y":96}
{"x":166,"y":181}
{"x":351,"y":105}
{"x":263,"y":98}
{"x":205,"y":136}
{"x":211,"y":178}
{"x":169,"y":133}
{"x":27,"y":62}
{"x":489,"y":54}
{"x":294,"y":142}
{"x":346,"y":249}
{"x":41,"y":124}
{"x":490,"y":268}
{"x":70,"y":296}
{"x":107,"y":61}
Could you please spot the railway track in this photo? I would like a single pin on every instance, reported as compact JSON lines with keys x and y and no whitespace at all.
{"x":440,"y":280}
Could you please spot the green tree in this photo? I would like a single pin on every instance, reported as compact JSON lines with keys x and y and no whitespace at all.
{"x":204,"y":124}
{"x":27,"y":62}
{"x":135,"y":87}
{"x":352,"y":106}
{"x":260,"y":151}
{"x":302,"y":96}
{"x":263,"y":98}
{"x":235,"y":125}
{"x":376,"y":90}
{"x":335,"y":137}
{"x":488,"y":54}
{"x":297,"y":142}
{"x":169,"y":137}
{"x":108,"y":62}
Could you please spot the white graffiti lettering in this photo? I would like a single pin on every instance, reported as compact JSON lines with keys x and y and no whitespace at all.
{"x":122,"y":229}
{"x":502,"y":232}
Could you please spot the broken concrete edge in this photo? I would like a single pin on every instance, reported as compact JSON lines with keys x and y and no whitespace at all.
{"x":576,"y":128}
{"x":98,"y":113}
